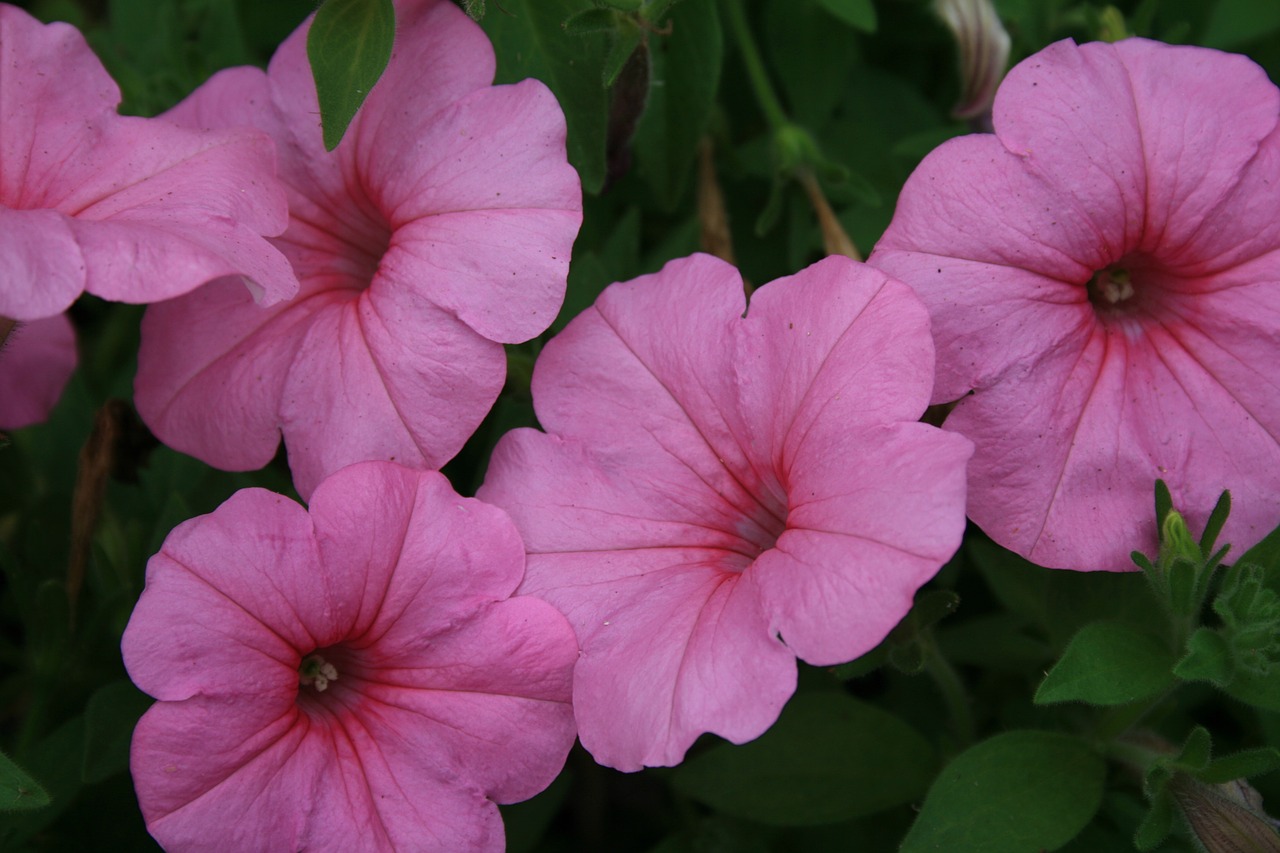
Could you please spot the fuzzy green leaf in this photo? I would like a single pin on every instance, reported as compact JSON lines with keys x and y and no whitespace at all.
{"x":1018,"y":791}
{"x":1108,"y":663}
{"x":828,"y":758}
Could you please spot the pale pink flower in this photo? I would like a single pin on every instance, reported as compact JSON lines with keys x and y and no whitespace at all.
{"x":1103,"y":275}
{"x":36,"y":360}
{"x":718,"y":494}
{"x":126,"y":208}
{"x":355,"y":678}
{"x":438,"y":230}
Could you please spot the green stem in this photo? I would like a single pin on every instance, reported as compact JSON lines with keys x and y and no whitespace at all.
{"x":948,"y":681}
{"x":1122,"y":719}
{"x":767,"y":98}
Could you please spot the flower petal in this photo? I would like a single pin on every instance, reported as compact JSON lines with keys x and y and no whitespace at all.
{"x":36,"y":360}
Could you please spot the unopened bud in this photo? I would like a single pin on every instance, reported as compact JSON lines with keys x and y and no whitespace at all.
{"x":1225,"y":818}
{"x":983,"y":47}
{"x":1176,"y":539}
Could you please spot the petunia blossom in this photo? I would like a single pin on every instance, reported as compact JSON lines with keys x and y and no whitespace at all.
{"x":718,"y":494}
{"x":438,"y":230}
{"x":126,"y":208}
{"x":36,"y":360}
{"x":1103,"y":275}
{"x":353,"y":678}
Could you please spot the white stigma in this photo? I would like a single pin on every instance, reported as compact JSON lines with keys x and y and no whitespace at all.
{"x":317,"y":672}
{"x":1115,"y":285}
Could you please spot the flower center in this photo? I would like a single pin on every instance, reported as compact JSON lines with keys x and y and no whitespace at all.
{"x":316,"y":672}
{"x":1111,"y":287}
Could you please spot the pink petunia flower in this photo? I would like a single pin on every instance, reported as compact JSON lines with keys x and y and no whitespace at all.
{"x":1103,"y":275}
{"x":438,"y":230}
{"x":129,"y":209}
{"x":717,"y":494}
{"x":353,"y":679}
{"x":36,"y":360}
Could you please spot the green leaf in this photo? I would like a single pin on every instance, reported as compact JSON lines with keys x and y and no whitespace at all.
{"x":530,"y":42}
{"x":1234,"y":22}
{"x":828,"y":758}
{"x":859,"y":14}
{"x":18,"y":791}
{"x":109,"y":719}
{"x":1213,"y":526}
{"x":1241,"y":765}
{"x":686,"y":73}
{"x":1208,"y":658}
{"x":1014,"y":793}
{"x":1266,"y":554}
{"x":1108,"y":663}
{"x":349,"y":46}
{"x":1157,"y":824}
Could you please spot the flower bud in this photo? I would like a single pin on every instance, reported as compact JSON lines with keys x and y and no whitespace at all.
{"x":983,"y":47}
{"x":1224,"y":818}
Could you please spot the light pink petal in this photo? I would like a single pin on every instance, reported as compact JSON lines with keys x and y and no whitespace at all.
{"x":999,"y":256}
{"x":40,"y":264}
{"x":419,"y":547}
{"x":390,"y":377}
{"x":212,"y":368}
{"x":1106,"y":123}
{"x":488,"y":214}
{"x":861,"y":540}
{"x":487,"y":701}
{"x":680,"y":435}
{"x":230,"y":600}
{"x":1068,"y":484}
{"x":672,"y":647}
{"x":36,"y":360}
{"x":160,"y":210}
{"x":294,"y":782}
{"x":54,"y":93}
{"x":837,"y":342}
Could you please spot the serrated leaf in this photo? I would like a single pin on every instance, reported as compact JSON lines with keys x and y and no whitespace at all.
{"x":349,"y":45}
{"x":18,"y":791}
{"x":828,"y":758}
{"x":530,"y":42}
{"x":1208,"y":658}
{"x":859,"y":14}
{"x":1108,"y":663}
{"x":1016,"y":792}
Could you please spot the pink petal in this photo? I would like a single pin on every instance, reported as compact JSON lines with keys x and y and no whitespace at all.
{"x":450,"y":696}
{"x":385,"y":377}
{"x":36,"y":360}
{"x":230,"y":599}
{"x":708,"y":476}
{"x":40,"y":263}
{"x":212,"y":368}
{"x":859,"y":543}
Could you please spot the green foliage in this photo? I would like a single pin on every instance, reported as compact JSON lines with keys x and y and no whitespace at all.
{"x":1015,"y":792}
{"x":530,"y":41}
{"x":828,"y":758}
{"x":18,"y":791}
{"x":349,"y":45}
{"x":1109,"y":663}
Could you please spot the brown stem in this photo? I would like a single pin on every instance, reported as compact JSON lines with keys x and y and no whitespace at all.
{"x":6,"y":326}
{"x":835,"y":241}
{"x":715,"y":236}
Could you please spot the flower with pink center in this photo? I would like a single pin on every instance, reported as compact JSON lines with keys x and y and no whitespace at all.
{"x":126,"y":208}
{"x":438,"y":230}
{"x":1103,"y":275}
{"x":718,"y":494}
{"x":354,"y":678}
{"x":36,"y":360}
